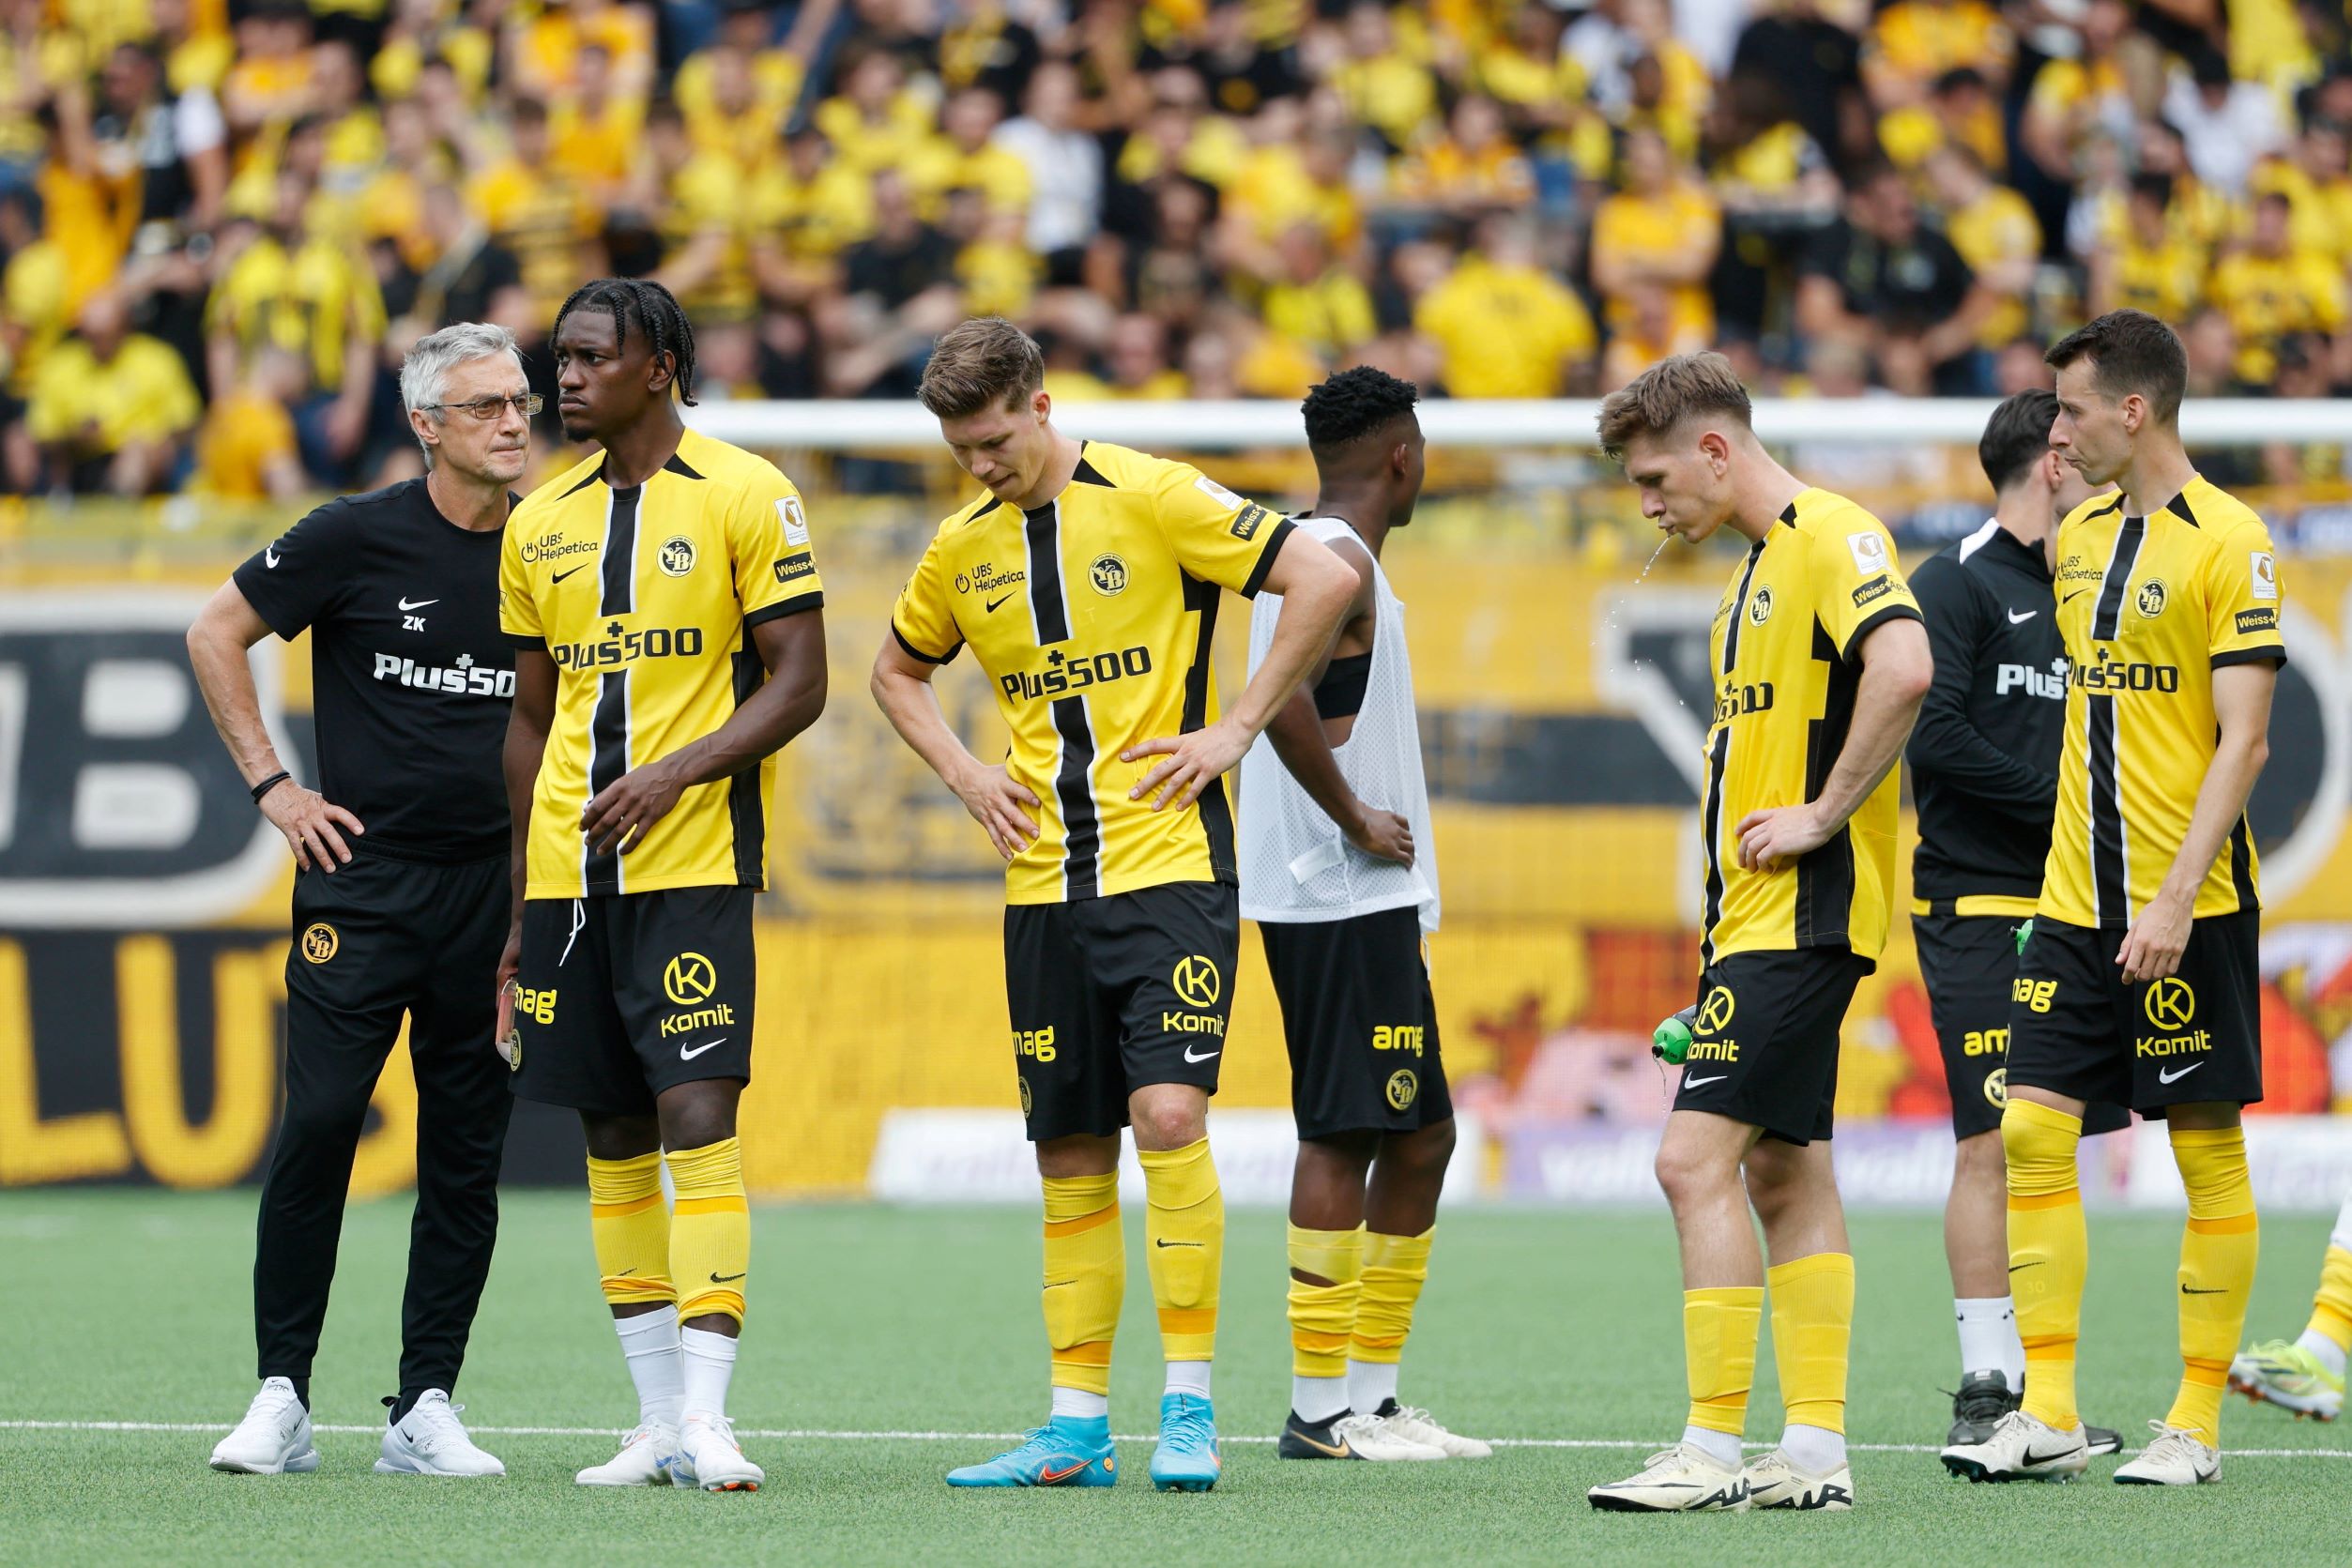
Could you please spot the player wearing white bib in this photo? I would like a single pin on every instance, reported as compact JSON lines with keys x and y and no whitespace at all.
{"x":1339,"y":868}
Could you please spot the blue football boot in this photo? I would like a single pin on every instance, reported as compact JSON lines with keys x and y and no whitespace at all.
{"x":1067,"y":1450}
{"x":1188,"y":1458}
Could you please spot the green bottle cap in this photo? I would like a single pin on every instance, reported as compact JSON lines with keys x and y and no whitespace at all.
{"x":2024,"y":934}
{"x":1669,"y":1043}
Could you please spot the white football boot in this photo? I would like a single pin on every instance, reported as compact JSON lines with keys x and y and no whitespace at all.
{"x":1415,"y":1425}
{"x":710,"y":1457}
{"x":2175,"y":1458}
{"x":2022,"y":1447}
{"x":644,"y":1460}
{"x":430,"y":1441}
{"x":1372,"y":1436}
{"x":1684,"y":1479}
{"x":274,"y":1439}
{"x":1776,"y":1481}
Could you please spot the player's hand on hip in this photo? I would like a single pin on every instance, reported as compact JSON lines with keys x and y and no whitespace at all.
{"x":510,"y":957}
{"x":1769,"y":837}
{"x":311,"y":824}
{"x":1002,"y":804}
{"x":622,"y":813}
{"x":2151,"y":949}
{"x":1383,"y":834}
{"x":1193,"y":763}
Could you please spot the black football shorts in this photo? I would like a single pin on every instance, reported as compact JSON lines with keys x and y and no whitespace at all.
{"x":1360,"y":1024}
{"x":1111,"y":994}
{"x":622,"y":996}
{"x":1764,"y":1049}
{"x":2076,"y":1028}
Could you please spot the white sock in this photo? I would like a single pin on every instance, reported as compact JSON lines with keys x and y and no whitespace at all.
{"x":1815,"y":1448}
{"x":648,"y":1342}
{"x":1988,"y":1338}
{"x":1189,"y":1377}
{"x":710,"y":1365}
{"x":1078,"y":1401}
{"x":1706,"y":1440}
{"x":1370,"y":1385}
{"x":2331,"y":1354}
{"x":1319,"y":1399}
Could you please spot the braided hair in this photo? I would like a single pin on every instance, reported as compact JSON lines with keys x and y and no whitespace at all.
{"x":655,"y":311}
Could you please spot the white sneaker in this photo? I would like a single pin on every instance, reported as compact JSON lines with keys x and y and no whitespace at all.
{"x":1684,"y":1479}
{"x":429,"y":1441}
{"x":644,"y":1460}
{"x":1415,"y":1425}
{"x":1376,"y":1437}
{"x":274,"y":1439}
{"x":709,"y":1457}
{"x":2022,"y":1447}
{"x":1775,"y":1481}
{"x":2175,"y":1458}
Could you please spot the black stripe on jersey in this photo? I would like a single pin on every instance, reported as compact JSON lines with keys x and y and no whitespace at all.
{"x":1824,"y":878}
{"x":1739,"y":604}
{"x":1087,"y":474}
{"x":1216,"y":812}
{"x":743,"y":791}
{"x":619,"y":568}
{"x":1074,"y":787}
{"x":1711,"y":829}
{"x":595,"y":476}
{"x":1045,"y":608}
{"x":2179,"y":509}
{"x":2241,"y":865}
{"x":678,"y":465}
{"x":608,"y":759}
{"x":2110,"y":865}
{"x":2109,"y":612}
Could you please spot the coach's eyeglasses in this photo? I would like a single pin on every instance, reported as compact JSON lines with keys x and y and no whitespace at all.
{"x":527,"y":403}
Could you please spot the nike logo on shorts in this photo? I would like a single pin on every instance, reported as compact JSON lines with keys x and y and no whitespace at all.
{"x":684,"y":1053}
{"x":405,"y":606}
{"x":1694,"y":1083}
{"x":2166,"y":1076}
{"x":269,"y":555}
{"x":1203,"y":1056}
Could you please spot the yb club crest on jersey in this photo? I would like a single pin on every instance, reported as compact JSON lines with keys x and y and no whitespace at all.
{"x":2152,"y":597}
{"x":1108,"y":574}
{"x":1760,"y":606}
{"x":676,"y":556}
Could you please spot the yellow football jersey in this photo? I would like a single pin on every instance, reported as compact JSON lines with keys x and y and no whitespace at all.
{"x":2150,"y":608}
{"x":1093,"y":617}
{"x":644,"y":597}
{"x":1784,"y":655}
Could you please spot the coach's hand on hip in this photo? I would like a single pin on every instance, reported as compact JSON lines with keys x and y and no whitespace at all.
{"x":618,"y":818}
{"x":1778,"y":833}
{"x":309,"y":820}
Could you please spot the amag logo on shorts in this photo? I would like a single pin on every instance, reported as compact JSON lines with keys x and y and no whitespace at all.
{"x":2171,"y":1004}
{"x":1399,"y":1037}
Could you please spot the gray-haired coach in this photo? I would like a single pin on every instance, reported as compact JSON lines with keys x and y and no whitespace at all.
{"x":399,"y":897}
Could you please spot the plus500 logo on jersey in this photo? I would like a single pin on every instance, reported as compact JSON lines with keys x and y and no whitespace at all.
{"x":463,"y":679}
{"x":1065,"y":673}
{"x":2118,"y":676}
{"x":627,"y":647}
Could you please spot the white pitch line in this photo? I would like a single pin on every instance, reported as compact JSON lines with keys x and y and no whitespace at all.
{"x":782,"y":1434}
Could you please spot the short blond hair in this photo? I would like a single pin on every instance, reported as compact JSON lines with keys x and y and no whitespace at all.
{"x":987,"y":362}
{"x":1678,"y":388}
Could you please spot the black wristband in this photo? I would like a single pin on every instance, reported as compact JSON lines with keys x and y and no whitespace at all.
{"x":269,"y":783}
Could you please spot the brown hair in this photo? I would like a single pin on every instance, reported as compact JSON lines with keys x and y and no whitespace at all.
{"x":2129,"y":351}
{"x":985,"y":362}
{"x":1666,"y":394}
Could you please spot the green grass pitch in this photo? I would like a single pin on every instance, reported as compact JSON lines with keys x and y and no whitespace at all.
{"x":133,"y":1307}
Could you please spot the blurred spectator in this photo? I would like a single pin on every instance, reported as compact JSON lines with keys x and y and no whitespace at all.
{"x":1995,"y":232}
{"x":963,"y":156}
{"x":2226,"y":124}
{"x":2151,"y":266}
{"x":2317,"y":183}
{"x":2272,"y":289}
{"x":536,"y":210}
{"x":899,"y":294}
{"x":111,"y":410}
{"x":1819,"y":65}
{"x":1658,"y":235}
{"x":1505,"y":327}
{"x":1065,"y":170}
{"x":173,"y":145}
{"x":1879,"y":276}
{"x":1316,"y":302}
{"x":247,"y":450}
{"x":1387,"y":86}
{"x":1470,"y":169}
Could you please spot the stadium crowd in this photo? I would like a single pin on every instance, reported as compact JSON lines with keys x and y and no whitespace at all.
{"x":224,"y":220}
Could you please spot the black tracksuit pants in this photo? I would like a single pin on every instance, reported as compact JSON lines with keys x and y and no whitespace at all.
{"x":382,"y":937}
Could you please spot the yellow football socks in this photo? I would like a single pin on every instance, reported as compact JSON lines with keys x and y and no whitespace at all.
{"x":1719,"y":1337}
{"x":631,"y":1228}
{"x":1394,"y":1269}
{"x":2331,"y":1309}
{"x":1323,"y":1315}
{"x":2049,"y":1252}
{"x":1085,"y":1278}
{"x":2216,"y":1269}
{"x":1185,"y":1227}
{"x":1812,"y":1331}
{"x":710,"y":1230}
